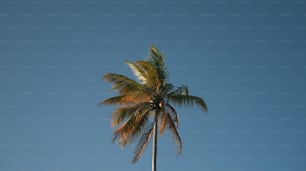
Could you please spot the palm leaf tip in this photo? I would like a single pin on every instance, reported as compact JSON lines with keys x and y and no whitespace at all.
{"x":143,"y":143}
{"x":156,"y":57}
{"x":112,"y":101}
{"x":174,"y":134}
{"x":202,"y":104}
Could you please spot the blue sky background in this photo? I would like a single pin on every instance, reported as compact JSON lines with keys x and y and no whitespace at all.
{"x":246,"y":58}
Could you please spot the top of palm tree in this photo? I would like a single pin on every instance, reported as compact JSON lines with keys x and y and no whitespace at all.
{"x":150,"y":96}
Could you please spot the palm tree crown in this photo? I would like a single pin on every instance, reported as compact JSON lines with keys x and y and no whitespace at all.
{"x":147,"y":102}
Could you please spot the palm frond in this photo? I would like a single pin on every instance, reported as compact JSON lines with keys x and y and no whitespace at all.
{"x":166,"y":88}
{"x":143,"y":143}
{"x":182,"y":90}
{"x":188,"y":100}
{"x":174,"y":133}
{"x":127,"y":99}
{"x":138,"y":72}
{"x":116,"y":100}
{"x":149,"y":73}
{"x":162,"y":122}
{"x":131,"y":128}
{"x":122,"y":113}
{"x":173,"y":114}
{"x":146,"y":73}
{"x":157,"y":59}
{"x":122,"y":83}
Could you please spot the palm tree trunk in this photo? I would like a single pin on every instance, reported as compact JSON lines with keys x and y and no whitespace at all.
{"x":154,"y":148}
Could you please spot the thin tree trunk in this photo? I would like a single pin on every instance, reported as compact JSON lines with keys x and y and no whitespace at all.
{"x":154,"y":148}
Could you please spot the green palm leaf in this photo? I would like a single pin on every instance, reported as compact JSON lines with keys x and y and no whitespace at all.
{"x":122,"y":83}
{"x":188,"y":100}
{"x":183,"y":90}
{"x":157,"y":60}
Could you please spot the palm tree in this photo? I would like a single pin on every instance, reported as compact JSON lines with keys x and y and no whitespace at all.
{"x":144,"y":107}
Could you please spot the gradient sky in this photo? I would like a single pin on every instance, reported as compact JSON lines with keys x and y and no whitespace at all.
{"x":246,"y":58}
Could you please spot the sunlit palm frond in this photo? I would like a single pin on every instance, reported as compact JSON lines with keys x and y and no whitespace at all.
{"x":138,"y":72}
{"x":188,"y":100}
{"x":143,"y":143}
{"x":149,"y":72}
{"x":146,"y":73}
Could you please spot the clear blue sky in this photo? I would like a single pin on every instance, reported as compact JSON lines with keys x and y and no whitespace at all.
{"x":246,"y":58}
